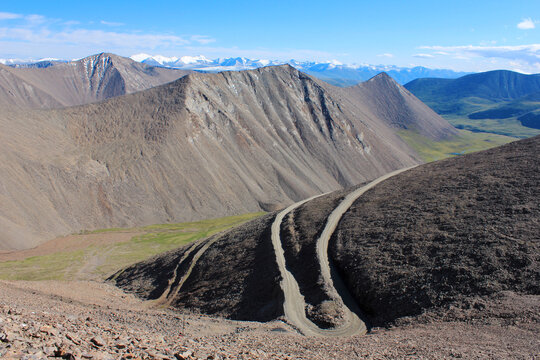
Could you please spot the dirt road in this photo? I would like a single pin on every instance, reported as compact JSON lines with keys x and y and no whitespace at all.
{"x":294,"y":304}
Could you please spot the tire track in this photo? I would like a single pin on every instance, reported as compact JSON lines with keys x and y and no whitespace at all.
{"x":172,"y":291}
{"x":294,"y":304}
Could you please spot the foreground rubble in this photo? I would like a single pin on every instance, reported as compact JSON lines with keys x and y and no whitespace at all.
{"x":88,"y":320}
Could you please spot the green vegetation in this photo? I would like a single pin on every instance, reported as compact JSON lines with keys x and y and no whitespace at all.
{"x":47,"y":267}
{"x":509,"y":127}
{"x":491,"y":102}
{"x":465,"y":142}
{"x":98,"y":262}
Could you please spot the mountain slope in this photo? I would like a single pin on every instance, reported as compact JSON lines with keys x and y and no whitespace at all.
{"x":492,"y":85}
{"x":400,"y":109}
{"x":445,"y":237}
{"x":490,"y":101}
{"x":91,"y":79}
{"x":15,"y":92}
{"x":206,"y":145}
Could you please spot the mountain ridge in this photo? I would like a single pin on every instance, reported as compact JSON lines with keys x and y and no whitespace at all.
{"x":90,"y":79}
{"x":205,"y":145}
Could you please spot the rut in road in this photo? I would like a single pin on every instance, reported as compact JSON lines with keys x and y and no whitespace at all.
{"x":172,"y":290}
{"x":294,"y":304}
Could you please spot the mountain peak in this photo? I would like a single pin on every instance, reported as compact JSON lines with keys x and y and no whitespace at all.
{"x":382,"y":77}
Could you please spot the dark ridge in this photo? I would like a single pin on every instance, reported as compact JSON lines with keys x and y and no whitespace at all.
{"x":445,"y":233}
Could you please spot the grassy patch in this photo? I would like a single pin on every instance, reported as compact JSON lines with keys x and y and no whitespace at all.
{"x":59,"y":266}
{"x":97,"y":262}
{"x":465,"y":142}
{"x":509,"y":127}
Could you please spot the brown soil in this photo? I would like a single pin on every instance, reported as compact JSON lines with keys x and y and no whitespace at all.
{"x":70,"y":243}
{"x":87,"y":320}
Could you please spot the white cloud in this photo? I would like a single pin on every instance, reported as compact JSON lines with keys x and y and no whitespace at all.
{"x":526,"y":55}
{"x":36,"y":36}
{"x":32,"y":32}
{"x":526,"y":24}
{"x":111,"y":23}
{"x":202,"y":39}
{"x":387,"y":55}
{"x":424,"y":56}
{"x":9,"y":16}
{"x":35,"y":19}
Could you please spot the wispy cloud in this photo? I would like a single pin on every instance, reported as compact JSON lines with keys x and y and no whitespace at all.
{"x":32,"y":32}
{"x":424,"y":56}
{"x":111,"y":23}
{"x":9,"y":16}
{"x":526,"y":24}
{"x":386,"y":55}
{"x":94,"y":37}
{"x":528,"y":56}
{"x":202,"y":39}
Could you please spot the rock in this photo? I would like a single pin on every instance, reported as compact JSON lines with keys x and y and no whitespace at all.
{"x":49,"y":330}
{"x":98,"y":341}
{"x":73,"y":338}
{"x":183,"y":355}
{"x":121,"y":345}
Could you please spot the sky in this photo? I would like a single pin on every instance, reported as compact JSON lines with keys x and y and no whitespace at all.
{"x":472,"y":35}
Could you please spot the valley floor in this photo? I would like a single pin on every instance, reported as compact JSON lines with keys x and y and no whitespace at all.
{"x":93,"y":320}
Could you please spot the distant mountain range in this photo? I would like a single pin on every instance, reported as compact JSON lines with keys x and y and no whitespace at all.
{"x":332,"y":72}
{"x":501,"y":101}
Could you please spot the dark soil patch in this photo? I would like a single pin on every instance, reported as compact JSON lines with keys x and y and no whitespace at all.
{"x":237,"y":277}
{"x":444,"y":233}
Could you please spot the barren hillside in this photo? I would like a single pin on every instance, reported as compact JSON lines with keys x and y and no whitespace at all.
{"x":456,"y":238}
{"x":206,"y":145}
{"x":94,"y":78}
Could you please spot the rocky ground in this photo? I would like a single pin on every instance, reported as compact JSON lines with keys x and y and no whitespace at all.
{"x":89,"y":320}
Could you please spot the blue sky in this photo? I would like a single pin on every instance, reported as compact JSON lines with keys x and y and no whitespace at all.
{"x":473,"y":35}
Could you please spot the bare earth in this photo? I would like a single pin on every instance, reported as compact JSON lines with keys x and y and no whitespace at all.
{"x":70,"y":243}
{"x":91,"y":320}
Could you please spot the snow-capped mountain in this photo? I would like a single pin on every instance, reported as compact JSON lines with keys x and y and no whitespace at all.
{"x":333,"y":71}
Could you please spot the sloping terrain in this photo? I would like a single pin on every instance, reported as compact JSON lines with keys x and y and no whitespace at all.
{"x":446,"y":233}
{"x":94,"y":78}
{"x":400,"y":109}
{"x":15,"y":92}
{"x":492,"y":101}
{"x":445,"y":237}
{"x":204,"y":146}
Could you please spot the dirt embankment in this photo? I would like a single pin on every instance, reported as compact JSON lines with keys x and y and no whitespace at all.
{"x":446,"y":239}
{"x":445,"y":234}
{"x":237,"y":277}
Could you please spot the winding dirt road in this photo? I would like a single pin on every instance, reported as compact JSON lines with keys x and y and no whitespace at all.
{"x":294,"y":304}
